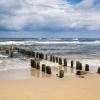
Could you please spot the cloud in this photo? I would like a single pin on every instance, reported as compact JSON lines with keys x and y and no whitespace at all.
{"x":49,"y":15}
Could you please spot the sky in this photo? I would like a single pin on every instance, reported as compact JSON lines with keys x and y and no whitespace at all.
{"x":50,"y":18}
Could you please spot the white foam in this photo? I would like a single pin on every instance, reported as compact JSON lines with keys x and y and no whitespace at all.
{"x":48,"y":42}
{"x":9,"y":64}
{"x":3,"y":56}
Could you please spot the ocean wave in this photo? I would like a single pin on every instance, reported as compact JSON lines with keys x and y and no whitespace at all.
{"x":13,"y":64}
{"x":3,"y":56}
{"x":97,"y":42}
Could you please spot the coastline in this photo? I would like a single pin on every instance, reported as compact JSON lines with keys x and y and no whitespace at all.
{"x":52,"y":88}
{"x":23,"y":83}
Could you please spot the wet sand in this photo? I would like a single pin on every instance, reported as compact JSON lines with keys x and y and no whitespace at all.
{"x":38,"y":87}
{"x":32,"y":84}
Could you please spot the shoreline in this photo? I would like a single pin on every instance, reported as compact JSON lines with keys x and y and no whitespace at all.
{"x":52,"y":88}
{"x":33,"y":84}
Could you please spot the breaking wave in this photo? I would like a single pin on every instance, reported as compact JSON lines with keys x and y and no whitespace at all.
{"x":97,"y":42}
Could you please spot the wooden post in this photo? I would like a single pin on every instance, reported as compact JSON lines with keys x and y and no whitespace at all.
{"x":65,"y":62}
{"x":78,"y":65}
{"x":56,"y":59}
{"x":33,"y":54}
{"x":48,"y":70}
{"x":46,"y":57}
{"x":37,"y":55}
{"x":61,"y":74}
{"x":72,"y":63}
{"x":98,"y":70}
{"x":7,"y":51}
{"x":11,"y":54}
{"x":43,"y":67}
{"x":78,"y":72}
{"x":38,"y":65}
{"x":86,"y":67}
{"x":33,"y":63}
{"x":51,"y":58}
{"x":60,"y":61}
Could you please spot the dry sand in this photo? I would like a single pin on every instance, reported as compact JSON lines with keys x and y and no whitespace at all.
{"x":52,"y":88}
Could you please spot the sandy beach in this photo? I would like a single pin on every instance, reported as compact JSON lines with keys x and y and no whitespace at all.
{"x":18,"y":81}
{"x":52,"y":88}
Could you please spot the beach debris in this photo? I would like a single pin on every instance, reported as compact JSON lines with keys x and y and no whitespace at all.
{"x":72,"y":63}
{"x":61,"y":74}
{"x":65,"y":62}
{"x":87,"y":67}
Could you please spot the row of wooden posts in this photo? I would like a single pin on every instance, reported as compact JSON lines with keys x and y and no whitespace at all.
{"x":59,"y":60}
{"x":46,"y":69}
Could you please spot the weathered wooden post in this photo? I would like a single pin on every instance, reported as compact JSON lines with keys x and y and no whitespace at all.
{"x":38,"y":65}
{"x":86,"y":67}
{"x":33,"y":54}
{"x":56,"y":59}
{"x":42,"y":56}
{"x":80,"y":66}
{"x":61,"y":74}
{"x":77,"y":65}
{"x":72,"y":63}
{"x":48,"y":70}
{"x":65,"y":62}
{"x":78,"y":72}
{"x":98,"y":70}
{"x":53,"y":58}
{"x":29,"y":53}
{"x":7,"y":51}
{"x":43,"y":67}
{"x":60,"y":61}
{"x":33,"y":63}
{"x":37,"y":55}
{"x":11,"y":54}
{"x":46,"y":57}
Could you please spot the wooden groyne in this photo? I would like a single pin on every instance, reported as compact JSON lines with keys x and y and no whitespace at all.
{"x":37,"y":57}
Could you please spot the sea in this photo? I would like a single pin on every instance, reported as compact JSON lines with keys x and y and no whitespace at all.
{"x":86,"y":50}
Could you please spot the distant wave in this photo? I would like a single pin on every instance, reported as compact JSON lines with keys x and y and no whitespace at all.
{"x":76,"y":39}
{"x":97,"y":42}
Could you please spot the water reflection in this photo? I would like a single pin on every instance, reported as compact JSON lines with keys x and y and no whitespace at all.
{"x":38,"y":73}
{"x":72,"y":70}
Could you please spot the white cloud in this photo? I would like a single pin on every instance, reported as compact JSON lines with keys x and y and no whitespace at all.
{"x":48,"y":15}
